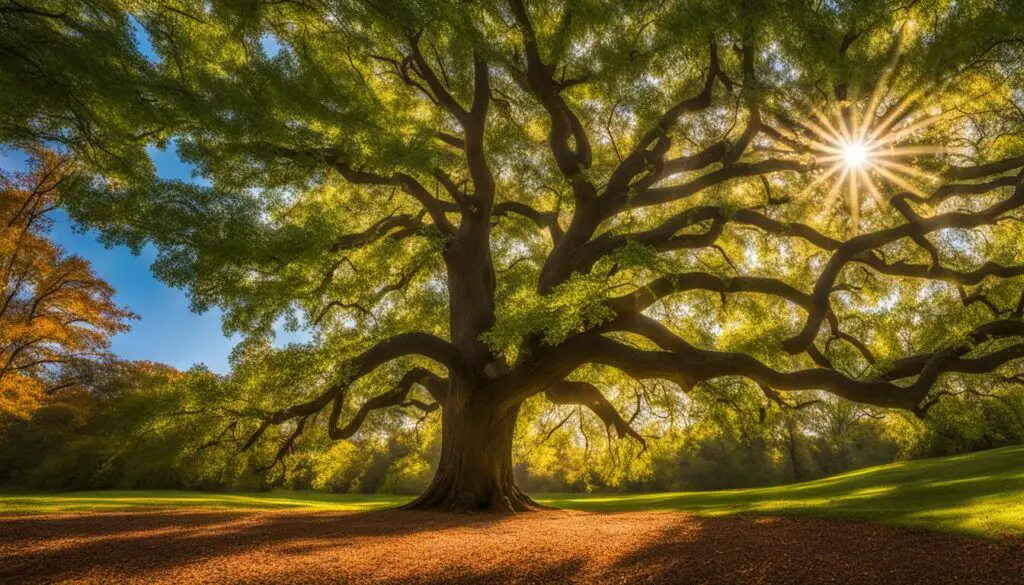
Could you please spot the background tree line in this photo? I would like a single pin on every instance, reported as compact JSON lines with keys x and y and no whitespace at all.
{"x":138,"y":425}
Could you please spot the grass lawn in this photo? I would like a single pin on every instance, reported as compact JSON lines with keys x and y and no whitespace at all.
{"x":980,"y":494}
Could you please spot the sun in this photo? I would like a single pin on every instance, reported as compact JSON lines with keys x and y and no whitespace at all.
{"x":855,"y":154}
{"x":869,"y":144}
{"x":861,"y":150}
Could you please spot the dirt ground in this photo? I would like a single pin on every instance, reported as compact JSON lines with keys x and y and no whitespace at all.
{"x":544,"y":547}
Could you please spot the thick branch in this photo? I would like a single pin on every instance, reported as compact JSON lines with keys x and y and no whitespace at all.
{"x":959,"y":189}
{"x":644,"y":297}
{"x":404,"y":344}
{"x":686,"y":365}
{"x":705,"y":365}
{"x":643,"y":158}
{"x":435,"y":207}
{"x":659,"y":195}
{"x":586,"y":394}
{"x":914,"y":365}
{"x":985,"y":170}
{"x":544,"y":219}
{"x":567,"y":139}
{"x":663,"y":237}
{"x":407,"y":224}
{"x":424,"y":71}
{"x":855,"y":247}
{"x":397,"y":397}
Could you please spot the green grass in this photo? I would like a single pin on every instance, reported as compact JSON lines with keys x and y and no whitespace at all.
{"x":99,"y":501}
{"x":980,"y":494}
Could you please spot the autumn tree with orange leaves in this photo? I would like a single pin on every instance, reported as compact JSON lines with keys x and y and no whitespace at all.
{"x":55,"y":313}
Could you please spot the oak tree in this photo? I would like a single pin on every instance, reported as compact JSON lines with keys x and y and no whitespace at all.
{"x":473,"y":204}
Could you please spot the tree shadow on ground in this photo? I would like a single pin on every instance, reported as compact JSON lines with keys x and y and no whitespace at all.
{"x":543,"y":547}
{"x":152,"y":541}
{"x":778,"y":550}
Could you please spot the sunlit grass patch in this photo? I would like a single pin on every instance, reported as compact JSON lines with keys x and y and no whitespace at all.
{"x":979,"y":493}
{"x":126,"y":500}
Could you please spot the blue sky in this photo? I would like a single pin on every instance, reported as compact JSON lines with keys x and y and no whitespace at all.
{"x":167,"y":330}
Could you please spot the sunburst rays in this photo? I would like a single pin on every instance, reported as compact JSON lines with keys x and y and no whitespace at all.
{"x":862,"y":150}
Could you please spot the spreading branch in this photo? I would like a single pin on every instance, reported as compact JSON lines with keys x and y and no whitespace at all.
{"x":434,"y":384}
{"x":588,"y":395}
{"x":402,"y":345}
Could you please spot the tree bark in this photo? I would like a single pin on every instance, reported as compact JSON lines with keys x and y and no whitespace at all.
{"x":474,"y":473}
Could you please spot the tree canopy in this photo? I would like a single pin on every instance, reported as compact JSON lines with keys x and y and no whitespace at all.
{"x":478,"y":203}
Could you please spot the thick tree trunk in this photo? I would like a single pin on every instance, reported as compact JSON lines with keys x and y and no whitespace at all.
{"x":475,"y":470}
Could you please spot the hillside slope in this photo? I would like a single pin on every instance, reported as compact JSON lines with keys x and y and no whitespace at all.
{"x":978,"y":493}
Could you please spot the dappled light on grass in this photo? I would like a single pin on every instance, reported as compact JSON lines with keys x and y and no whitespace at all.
{"x":979,"y":493}
{"x":124,"y":500}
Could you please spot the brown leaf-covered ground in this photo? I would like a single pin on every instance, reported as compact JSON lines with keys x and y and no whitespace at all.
{"x":545,"y":547}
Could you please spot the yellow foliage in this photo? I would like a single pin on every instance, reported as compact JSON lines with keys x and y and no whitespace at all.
{"x":54,"y":312}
